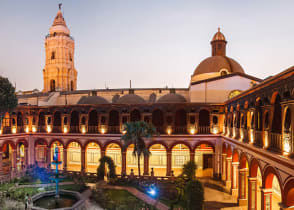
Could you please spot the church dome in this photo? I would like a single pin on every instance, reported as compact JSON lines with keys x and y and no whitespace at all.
{"x":131,"y":99}
{"x":92,"y":100}
{"x":218,"y":63}
{"x":172,"y":98}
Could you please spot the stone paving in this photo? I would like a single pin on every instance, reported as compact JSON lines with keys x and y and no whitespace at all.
{"x":216,"y":197}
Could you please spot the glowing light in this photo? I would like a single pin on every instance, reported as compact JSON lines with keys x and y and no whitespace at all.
{"x":192,"y":130}
{"x":251,"y":136}
{"x":234,"y":132}
{"x":34,"y":129}
{"x":0,"y":131}
{"x":286,"y":143}
{"x":265,"y":139}
{"x":49,"y":129}
{"x":152,"y":191}
{"x":103,"y":130}
{"x":83,"y":129}
{"x":13,"y":130}
{"x":215,"y":130}
{"x":65,"y":129}
{"x":27,"y":129}
{"x":169,"y":130}
{"x":241,"y":135}
{"x":124,"y":132}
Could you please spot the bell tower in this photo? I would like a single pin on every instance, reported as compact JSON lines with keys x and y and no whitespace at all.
{"x":59,"y":73}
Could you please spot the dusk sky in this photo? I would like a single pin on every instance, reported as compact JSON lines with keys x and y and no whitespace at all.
{"x":154,"y":43}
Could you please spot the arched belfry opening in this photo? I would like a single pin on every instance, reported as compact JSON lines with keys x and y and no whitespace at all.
{"x":52,"y":85}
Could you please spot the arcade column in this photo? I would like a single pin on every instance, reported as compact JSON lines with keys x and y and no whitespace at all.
{"x":252,"y":193}
{"x":48,"y":157}
{"x":124,"y":163}
{"x":224,"y":167}
{"x":228,"y":175}
{"x":242,"y":187}
{"x":14,"y":154}
{"x":146,"y":165}
{"x":266,"y":199}
{"x":83,"y":159}
{"x":26,"y":157}
{"x":1,"y":169}
{"x":168,"y":163}
{"x":65,"y":159}
{"x":235,"y":178}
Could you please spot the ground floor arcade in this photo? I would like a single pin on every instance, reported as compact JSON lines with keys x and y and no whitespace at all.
{"x":258,"y":180}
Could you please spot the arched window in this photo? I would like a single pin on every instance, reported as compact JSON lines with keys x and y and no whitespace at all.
{"x":52,"y":85}
{"x":135,"y":115}
{"x":113,"y":118}
{"x":53,"y":55}
{"x":277,"y":119}
{"x":224,"y":72}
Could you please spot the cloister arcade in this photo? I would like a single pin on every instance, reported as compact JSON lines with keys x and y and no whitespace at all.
{"x":247,"y":141}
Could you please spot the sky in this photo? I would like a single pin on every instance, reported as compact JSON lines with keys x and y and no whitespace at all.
{"x":154,"y":43}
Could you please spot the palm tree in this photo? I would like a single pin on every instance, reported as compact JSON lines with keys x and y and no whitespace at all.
{"x":135,"y":132}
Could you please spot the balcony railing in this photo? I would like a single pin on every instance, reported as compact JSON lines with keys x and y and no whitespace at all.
{"x":93,"y":129}
{"x":275,"y":142}
{"x":180,"y":130}
{"x":160,"y":130}
{"x":113,"y":129}
{"x":258,"y":139}
{"x":6,"y":130}
{"x":237,"y":133}
{"x":42,"y":129}
{"x":56,"y":129}
{"x":203,"y":130}
{"x":20,"y":129}
{"x":230,"y":131}
{"x":74,"y":129}
{"x":245,"y":135}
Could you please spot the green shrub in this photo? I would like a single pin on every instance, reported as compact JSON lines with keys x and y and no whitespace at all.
{"x":189,"y":170}
{"x":101,"y":168}
{"x":194,"y":195}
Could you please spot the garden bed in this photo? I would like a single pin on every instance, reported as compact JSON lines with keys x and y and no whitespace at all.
{"x":118,"y":199}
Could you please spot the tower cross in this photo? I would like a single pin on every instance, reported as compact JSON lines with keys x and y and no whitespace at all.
{"x":59,"y":5}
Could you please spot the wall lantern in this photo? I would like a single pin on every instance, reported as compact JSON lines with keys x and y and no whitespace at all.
{"x":49,"y":129}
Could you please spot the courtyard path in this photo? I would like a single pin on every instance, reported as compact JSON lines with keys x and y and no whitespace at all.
{"x":216,"y":198}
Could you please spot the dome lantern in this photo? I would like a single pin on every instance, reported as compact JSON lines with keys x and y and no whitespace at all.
{"x":218,"y":44}
{"x":59,"y":25}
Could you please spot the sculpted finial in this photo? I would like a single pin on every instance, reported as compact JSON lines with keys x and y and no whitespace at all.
{"x":59,"y":5}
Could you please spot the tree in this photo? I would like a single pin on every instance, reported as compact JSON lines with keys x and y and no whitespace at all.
{"x":8,"y":99}
{"x":189,"y":170}
{"x":134,"y":134}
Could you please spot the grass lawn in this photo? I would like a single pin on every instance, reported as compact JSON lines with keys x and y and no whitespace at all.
{"x":118,"y":199}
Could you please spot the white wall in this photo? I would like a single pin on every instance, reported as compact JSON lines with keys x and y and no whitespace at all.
{"x":217,"y":91}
